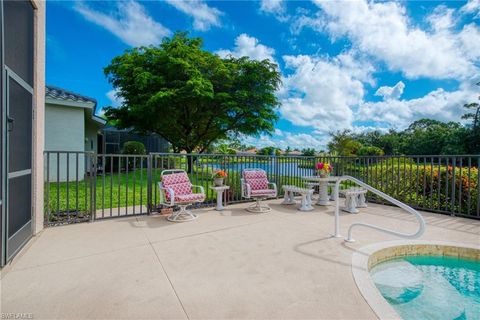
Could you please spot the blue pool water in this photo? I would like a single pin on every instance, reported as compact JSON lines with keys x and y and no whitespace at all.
{"x":430,"y":287}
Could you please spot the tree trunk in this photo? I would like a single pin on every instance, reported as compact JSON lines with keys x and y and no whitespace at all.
{"x":189,"y":161}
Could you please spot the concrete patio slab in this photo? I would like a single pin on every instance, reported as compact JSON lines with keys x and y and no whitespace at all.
{"x":79,"y":240}
{"x":229,"y":265}
{"x":125,"y":284}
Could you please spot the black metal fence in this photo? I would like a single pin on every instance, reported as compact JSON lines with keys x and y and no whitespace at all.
{"x":82,"y":186}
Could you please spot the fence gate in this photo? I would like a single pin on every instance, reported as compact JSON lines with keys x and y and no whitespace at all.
{"x":122,"y":187}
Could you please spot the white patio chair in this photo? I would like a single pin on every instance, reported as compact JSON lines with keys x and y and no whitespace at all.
{"x":255,"y":185}
{"x":177,"y":190}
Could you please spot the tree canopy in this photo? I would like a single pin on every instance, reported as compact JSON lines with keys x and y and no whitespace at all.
{"x":192,"y":97}
{"x":422,"y":137}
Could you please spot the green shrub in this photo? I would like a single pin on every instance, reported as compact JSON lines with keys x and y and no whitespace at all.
{"x":435,"y":187}
{"x":134,"y":147}
{"x":370,"y":151}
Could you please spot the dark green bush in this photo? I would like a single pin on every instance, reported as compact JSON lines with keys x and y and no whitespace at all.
{"x":134,"y":147}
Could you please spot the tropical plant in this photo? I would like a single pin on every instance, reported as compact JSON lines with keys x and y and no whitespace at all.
{"x":269,"y":151}
{"x":343,"y":144}
{"x":224,"y":149}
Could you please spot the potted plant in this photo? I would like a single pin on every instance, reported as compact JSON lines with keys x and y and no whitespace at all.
{"x":218,"y":177}
{"x":324,"y":169}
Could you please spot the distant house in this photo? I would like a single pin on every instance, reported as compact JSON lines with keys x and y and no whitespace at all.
{"x":70,"y":121}
{"x":248,"y":152}
{"x":70,"y":125}
{"x":295,"y":153}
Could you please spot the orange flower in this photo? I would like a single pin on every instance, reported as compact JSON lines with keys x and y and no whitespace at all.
{"x":219,"y":174}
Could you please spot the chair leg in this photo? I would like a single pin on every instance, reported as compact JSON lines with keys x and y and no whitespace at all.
{"x":258,"y":207}
{"x":182,"y":215}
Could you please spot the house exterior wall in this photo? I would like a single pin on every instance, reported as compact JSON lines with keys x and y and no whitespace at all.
{"x":64,"y":128}
{"x":64,"y":131}
{"x":91,"y":133}
{"x":39,"y":113}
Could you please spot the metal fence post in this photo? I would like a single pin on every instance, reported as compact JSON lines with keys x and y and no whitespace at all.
{"x":149,"y":183}
{"x":93,"y":185}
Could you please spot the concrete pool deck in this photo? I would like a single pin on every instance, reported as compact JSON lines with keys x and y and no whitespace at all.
{"x":229,"y":264}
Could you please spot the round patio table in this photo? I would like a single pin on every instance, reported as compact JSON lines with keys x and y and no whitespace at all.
{"x":323,"y":199}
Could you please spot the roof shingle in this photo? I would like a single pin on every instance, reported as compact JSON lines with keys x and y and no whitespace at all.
{"x":62,"y":94}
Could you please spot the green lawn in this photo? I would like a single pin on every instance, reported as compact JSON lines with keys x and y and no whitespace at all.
{"x":122,"y":190}
{"x":112,"y":191}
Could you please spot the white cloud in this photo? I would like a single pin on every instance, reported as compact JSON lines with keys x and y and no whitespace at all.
{"x":384,"y":31}
{"x":302,"y":21}
{"x":204,"y":17}
{"x":394,"y":92}
{"x":439,"y":104}
{"x":248,"y":46}
{"x":276,"y":8}
{"x":129,"y":21}
{"x":472,"y":6}
{"x":441,"y":18}
{"x":116,"y":101}
{"x":472,"y":48}
{"x":321,"y":92}
{"x":278,"y":132}
{"x":272,"y":6}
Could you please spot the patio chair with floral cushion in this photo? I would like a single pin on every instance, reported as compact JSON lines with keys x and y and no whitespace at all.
{"x":255,"y":185}
{"x":177,"y":190}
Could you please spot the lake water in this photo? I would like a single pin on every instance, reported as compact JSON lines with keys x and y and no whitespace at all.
{"x":284,"y":169}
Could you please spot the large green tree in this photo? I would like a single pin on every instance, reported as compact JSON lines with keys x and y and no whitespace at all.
{"x":432,"y":137}
{"x":192,"y":97}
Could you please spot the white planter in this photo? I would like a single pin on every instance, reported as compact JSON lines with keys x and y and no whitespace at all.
{"x":218,"y":182}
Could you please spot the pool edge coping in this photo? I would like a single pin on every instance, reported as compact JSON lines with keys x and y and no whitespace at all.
{"x":364,"y":282}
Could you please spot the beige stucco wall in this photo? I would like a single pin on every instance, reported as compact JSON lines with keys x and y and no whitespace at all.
{"x":64,"y":128}
{"x":91,"y":133}
{"x":64,"y":131}
{"x":39,"y":109}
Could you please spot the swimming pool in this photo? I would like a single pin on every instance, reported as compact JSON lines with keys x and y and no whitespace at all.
{"x":430,"y":287}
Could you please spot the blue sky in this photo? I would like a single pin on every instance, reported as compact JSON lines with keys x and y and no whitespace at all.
{"x":355,"y":65}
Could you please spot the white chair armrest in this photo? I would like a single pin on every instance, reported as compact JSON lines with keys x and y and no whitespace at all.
{"x":274,"y":185}
{"x":170,"y":192}
{"x":202,"y":190}
{"x":247,"y":190}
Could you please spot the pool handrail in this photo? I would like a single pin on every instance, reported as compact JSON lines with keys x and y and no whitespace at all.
{"x":415,"y":213}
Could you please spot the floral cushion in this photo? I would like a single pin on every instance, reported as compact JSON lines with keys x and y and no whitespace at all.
{"x":190,"y":197}
{"x":175,"y":178}
{"x":178,"y":182}
{"x":180,"y":189}
{"x":254,"y":174}
{"x":257,"y":179}
{"x":264,"y":192}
